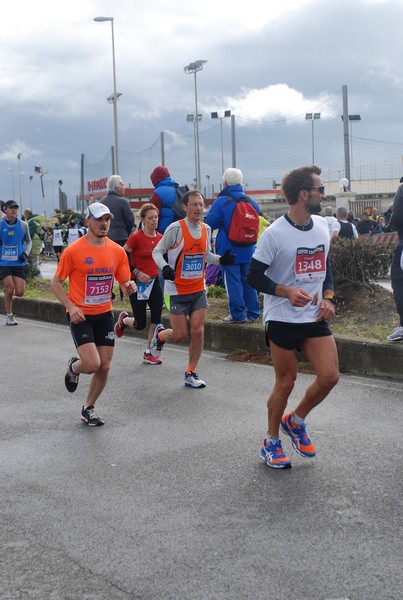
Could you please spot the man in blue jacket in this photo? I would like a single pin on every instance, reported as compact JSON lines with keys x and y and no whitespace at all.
{"x":243,"y":299}
{"x":164,"y":196}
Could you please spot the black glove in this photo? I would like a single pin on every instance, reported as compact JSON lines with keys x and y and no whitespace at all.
{"x":227,"y":258}
{"x":23,"y":257}
{"x":168,"y":273}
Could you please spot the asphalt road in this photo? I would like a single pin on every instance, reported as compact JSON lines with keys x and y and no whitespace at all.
{"x":169,"y":500}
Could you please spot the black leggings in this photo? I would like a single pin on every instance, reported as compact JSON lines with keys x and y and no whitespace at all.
{"x":139,"y":307}
{"x":396,"y":275}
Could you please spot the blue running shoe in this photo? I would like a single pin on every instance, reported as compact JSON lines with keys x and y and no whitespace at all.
{"x":299,"y":439}
{"x":156,"y":345}
{"x":273,"y":455}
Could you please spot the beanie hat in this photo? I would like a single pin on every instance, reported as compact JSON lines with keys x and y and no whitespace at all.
{"x":159,"y":174}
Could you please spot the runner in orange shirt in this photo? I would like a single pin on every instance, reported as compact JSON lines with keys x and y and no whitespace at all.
{"x":91,"y":264}
{"x":186,"y":244}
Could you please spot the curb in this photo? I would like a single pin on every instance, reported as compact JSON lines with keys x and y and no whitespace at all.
{"x":358,"y":356}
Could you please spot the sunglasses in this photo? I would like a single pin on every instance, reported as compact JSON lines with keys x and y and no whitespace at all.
{"x":320,"y":188}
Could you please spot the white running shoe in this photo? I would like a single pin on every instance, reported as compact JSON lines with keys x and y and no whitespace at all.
{"x":397,"y":335}
{"x":10,"y":321}
{"x":156,"y":345}
{"x":193,"y":380}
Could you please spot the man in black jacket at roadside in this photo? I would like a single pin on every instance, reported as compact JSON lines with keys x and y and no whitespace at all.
{"x":123,"y":218}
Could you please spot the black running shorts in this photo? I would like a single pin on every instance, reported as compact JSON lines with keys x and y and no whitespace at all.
{"x":291,"y":335}
{"x":13,"y":271}
{"x":96,"y":329}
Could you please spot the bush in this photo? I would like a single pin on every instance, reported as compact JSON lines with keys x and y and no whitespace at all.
{"x":216,"y":291}
{"x":359,"y":261}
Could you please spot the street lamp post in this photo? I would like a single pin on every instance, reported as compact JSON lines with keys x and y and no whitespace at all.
{"x":208,"y":186}
{"x":53,"y":193}
{"x":113,"y":99}
{"x":39,"y":171}
{"x":19,"y":156}
{"x":351,"y":119}
{"x":312,"y":117}
{"x":214,"y":115}
{"x":30,"y":190}
{"x":194,"y":68}
{"x":192,"y":119}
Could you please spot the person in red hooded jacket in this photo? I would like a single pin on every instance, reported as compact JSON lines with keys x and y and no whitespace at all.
{"x":164,"y":196}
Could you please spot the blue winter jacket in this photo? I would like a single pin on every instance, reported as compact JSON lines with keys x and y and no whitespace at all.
{"x":166,"y":192}
{"x":219,"y":217}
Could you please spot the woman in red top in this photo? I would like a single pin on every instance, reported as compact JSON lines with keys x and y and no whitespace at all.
{"x":140,"y":246}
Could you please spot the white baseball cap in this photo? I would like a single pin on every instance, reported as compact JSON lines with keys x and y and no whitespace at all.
{"x":97,"y":210}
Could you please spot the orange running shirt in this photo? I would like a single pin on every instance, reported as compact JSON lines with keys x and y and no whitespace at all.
{"x":91,"y":271}
{"x":191,"y":261}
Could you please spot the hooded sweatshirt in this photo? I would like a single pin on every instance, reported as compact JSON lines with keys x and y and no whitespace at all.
{"x":164,"y":196}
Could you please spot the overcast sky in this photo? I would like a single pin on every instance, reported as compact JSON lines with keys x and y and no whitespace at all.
{"x":267,"y":60}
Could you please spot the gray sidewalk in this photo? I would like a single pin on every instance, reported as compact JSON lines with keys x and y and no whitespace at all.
{"x":169,"y":500}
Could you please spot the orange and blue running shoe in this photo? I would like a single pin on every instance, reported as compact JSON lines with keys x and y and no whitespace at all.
{"x":273,"y":455}
{"x":299,"y":439}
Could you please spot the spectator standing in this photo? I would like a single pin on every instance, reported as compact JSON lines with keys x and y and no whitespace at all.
{"x":292,"y":269}
{"x":35,"y":231}
{"x":374,"y":214}
{"x":263,"y":224}
{"x":387,"y":214}
{"x":342,"y":227}
{"x":48,"y":241}
{"x":366,"y":225}
{"x":242,"y":298}
{"x":164,"y":196}
{"x":186,"y":245}
{"x":396,"y":272}
{"x":91,"y":264}
{"x":380,"y":226}
{"x":15,"y":247}
{"x":330,"y":218}
{"x":123,"y":221}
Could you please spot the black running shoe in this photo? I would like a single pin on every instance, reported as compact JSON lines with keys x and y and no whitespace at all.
{"x":71,"y":379}
{"x":89,"y":417}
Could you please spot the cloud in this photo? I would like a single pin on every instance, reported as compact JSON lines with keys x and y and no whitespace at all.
{"x":12,"y":150}
{"x":277,"y":101}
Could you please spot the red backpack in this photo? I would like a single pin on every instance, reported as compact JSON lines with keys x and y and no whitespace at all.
{"x":244,"y":227}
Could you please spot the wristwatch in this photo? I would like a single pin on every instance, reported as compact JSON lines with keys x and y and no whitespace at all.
{"x":331,"y":298}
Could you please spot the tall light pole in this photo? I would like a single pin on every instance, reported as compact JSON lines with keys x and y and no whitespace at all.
{"x":30,"y":190}
{"x":214,"y":115}
{"x":39,"y":171}
{"x":208,"y":186}
{"x":192,"y":119}
{"x":194,"y":67}
{"x":352,"y":119}
{"x":349,"y":146}
{"x":312,"y":117}
{"x":19,"y":156}
{"x":113,"y":99}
